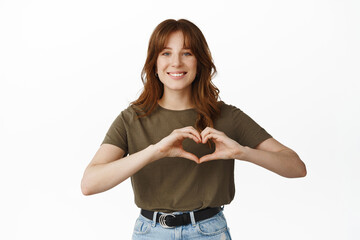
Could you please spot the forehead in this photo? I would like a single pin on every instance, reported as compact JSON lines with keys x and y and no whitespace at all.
{"x":178,"y":39}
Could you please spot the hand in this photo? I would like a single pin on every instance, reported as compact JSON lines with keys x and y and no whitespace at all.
{"x":225,"y":147}
{"x":171,"y":146}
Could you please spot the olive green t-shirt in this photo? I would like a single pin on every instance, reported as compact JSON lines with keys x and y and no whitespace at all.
{"x":179,"y":184}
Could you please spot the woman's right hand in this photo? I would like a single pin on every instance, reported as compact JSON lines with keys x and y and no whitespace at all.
{"x":171,"y":146}
{"x":109,"y":167}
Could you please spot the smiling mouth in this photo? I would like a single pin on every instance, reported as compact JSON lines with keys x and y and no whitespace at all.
{"x":179,"y":74}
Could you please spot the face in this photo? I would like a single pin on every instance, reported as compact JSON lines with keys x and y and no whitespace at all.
{"x":176,"y":65}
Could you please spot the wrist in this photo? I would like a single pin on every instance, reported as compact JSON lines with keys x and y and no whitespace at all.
{"x":242,"y":152}
{"x":156,"y":152}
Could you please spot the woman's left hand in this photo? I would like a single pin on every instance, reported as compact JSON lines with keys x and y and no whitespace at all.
{"x":225,"y":147}
{"x":269,"y":154}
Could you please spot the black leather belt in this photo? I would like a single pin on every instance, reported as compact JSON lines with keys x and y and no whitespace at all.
{"x":170,"y":220}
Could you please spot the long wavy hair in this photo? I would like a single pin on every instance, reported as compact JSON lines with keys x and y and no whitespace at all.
{"x":204,"y":93}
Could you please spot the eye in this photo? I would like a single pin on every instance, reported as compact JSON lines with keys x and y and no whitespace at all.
{"x":165,"y":54}
{"x":187,"y":54}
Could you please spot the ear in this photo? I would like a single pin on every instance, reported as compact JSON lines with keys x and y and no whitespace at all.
{"x":156,"y":71}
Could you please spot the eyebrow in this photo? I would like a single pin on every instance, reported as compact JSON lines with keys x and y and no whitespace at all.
{"x":171,"y":48}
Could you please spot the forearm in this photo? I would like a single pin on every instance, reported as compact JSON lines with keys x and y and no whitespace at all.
{"x":101,"y":177}
{"x":285,"y":163}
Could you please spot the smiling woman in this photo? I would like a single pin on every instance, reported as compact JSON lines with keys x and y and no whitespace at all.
{"x":188,"y":37}
{"x":178,"y":143}
{"x":176,"y":69}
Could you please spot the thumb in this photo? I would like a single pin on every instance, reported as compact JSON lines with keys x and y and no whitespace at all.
{"x":190,"y":156}
{"x":207,"y":158}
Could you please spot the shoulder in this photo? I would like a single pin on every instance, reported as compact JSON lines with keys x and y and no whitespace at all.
{"x":125,"y":117}
{"x":131,"y":112}
{"x":228,"y":109}
{"x":229,"y":115}
{"x":234,"y":116}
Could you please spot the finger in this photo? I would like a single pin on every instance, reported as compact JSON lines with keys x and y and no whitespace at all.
{"x":190,"y":156}
{"x":207,"y":131}
{"x":210,"y":129}
{"x":208,"y":158}
{"x":213,"y":136}
{"x":184,"y":135}
{"x":203,"y":135}
{"x":194,"y":134}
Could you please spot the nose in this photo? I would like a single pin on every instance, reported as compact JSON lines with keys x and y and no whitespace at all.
{"x":176,"y":60}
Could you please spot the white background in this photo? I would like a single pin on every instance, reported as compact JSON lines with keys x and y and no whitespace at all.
{"x":67,"y":69}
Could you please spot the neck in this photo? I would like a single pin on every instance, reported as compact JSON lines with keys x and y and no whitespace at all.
{"x":176,"y":101}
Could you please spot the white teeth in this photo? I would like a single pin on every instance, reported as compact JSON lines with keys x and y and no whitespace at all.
{"x":176,"y":74}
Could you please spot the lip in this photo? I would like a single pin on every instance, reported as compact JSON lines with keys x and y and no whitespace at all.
{"x":176,"y":77}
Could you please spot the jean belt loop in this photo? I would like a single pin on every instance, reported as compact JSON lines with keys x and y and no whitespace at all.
{"x":154,"y":219}
{"x":192,"y":217}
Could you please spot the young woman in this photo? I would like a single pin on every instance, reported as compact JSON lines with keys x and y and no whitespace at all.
{"x":178,"y":143}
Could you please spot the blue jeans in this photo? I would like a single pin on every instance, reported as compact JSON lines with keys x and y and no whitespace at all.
{"x":214,"y":228}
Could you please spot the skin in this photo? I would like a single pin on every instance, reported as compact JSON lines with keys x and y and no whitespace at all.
{"x":175,"y":59}
{"x":109,"y":168}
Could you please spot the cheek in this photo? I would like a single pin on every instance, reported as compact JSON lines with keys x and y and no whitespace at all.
{"x":194,"y":65}
{"x":160,"y":64}
{"x":194,"y":68}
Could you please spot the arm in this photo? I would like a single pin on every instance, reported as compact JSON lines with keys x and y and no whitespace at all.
{"x":109,"y":168}
{"x":269,"y":154}
{"x":275,"y":157}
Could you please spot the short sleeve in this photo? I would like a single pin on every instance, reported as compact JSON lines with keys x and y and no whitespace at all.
{"x":117,"y":135}
{"x":248,"y":132}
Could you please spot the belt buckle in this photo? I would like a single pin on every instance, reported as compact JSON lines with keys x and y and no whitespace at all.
{"x":162,"y":220}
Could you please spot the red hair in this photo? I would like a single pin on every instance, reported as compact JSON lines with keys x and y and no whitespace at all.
{"x":204,"y":93}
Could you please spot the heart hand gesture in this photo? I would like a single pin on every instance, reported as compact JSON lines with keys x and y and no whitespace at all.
{"x":171,"y":146}
{"x":225,"y":147}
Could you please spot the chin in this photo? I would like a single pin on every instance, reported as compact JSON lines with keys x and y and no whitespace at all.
{"x":178,"y":87}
